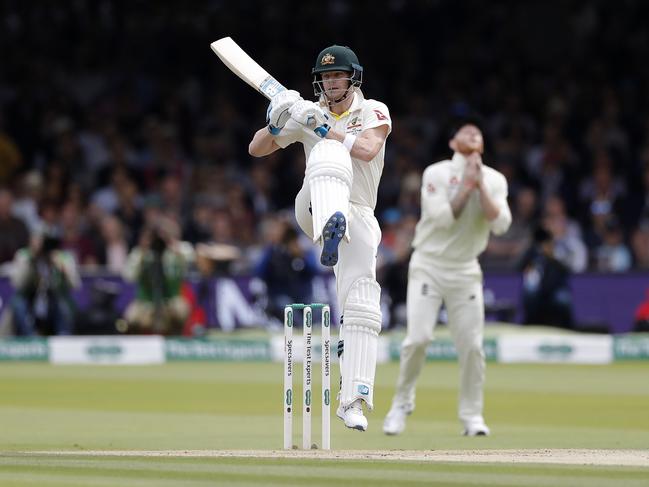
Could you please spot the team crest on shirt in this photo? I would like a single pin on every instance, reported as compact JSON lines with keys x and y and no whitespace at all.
{"x":354,"y":126}
{"x":430,"y":188}
{"x":328,"y":59}
{"x":454,"y":181}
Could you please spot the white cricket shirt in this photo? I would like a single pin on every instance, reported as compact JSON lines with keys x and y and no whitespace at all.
{"x":438,"y":234}
{"x":362,"y":115}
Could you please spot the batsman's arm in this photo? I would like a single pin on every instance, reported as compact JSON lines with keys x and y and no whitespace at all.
{"x":262,"y":143}
{"x":366,"y":145}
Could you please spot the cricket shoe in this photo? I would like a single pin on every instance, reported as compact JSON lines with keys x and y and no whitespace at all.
{"x":353,"y":416}
{"x":476,"y":429}
{"x":395,"y":421}
{"x":332,"y":233}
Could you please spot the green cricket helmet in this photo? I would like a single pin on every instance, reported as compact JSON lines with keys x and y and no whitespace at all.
{"x":336,"y":58}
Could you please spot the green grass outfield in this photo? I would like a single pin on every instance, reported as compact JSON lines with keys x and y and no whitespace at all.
{"x":238,"y":406}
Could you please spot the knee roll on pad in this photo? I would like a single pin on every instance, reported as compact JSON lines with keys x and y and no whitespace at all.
{"x":330,"y":175}
{"x":361,"y":330}
{"x":330,"y":158}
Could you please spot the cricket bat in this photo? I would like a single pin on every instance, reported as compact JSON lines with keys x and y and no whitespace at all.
{"x":245,"y":67}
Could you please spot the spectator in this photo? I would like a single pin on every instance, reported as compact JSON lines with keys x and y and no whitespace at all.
{"x":640,"y":245}
{"x":505,"y":251}
{"x":197,"y":228}
{"x":158,"y":266}
{"x":115,"y":245}
{"x":75,"y":238}
{"x":642,"y":316}
{"x":129,"y":211}
{"x":44,"y":276}
{"x":107,"y":197}
{"x":568,"y":246}
{"x":28,"y":200}
{"x":640,"y":205}
{"x":546,"y":288}
{"x":11,"y":159}
{"x":613,"y":255}
{"x":135,"y":113}
{"x":13,"y":232}
{"x":287,"y":269}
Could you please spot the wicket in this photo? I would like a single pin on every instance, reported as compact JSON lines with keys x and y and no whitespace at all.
{"x":307,"y":310}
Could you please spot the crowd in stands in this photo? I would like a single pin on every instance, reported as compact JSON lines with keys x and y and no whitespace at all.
{"x":113,"y":114}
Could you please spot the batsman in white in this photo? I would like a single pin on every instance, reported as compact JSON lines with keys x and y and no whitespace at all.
{"x":462,"y":200}
{"x":343,"y":135}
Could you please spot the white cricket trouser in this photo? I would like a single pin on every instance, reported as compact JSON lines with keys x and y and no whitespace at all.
{"x":459,"y":286}
{"x":356,"y":258}
{"x":356,"y":262}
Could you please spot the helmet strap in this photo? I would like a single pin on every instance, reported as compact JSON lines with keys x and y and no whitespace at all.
{"x":342,"y":98}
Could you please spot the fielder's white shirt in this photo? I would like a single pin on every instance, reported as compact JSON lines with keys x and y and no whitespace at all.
{"x":362,"y":115}
{"x":438,"y":234}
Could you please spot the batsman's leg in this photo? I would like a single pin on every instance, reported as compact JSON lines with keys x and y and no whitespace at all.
{"x":359,"y":298}
{"x":329,"y":175}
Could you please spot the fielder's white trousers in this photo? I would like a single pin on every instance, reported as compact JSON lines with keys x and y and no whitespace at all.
{"x":459,"y":286}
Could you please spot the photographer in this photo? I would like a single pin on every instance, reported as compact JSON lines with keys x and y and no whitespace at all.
{"x":158,"y":265}
{"x":44,"y":276}
{"x":547,"y":298}
{"x":287,"y":269}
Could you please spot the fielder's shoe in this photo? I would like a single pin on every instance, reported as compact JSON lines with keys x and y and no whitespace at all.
{"x":332,"y":233}
{"x":353,"y":416}
{"x":476,"y":429}
{"x":395,"y":421}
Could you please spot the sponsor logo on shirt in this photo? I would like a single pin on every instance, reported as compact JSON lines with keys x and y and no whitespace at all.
{"x":379,"y":115}
{"x":354,"y":126}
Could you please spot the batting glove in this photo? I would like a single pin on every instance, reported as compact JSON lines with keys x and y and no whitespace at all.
{"x":310,"y":115}
{"x":277,"y":113}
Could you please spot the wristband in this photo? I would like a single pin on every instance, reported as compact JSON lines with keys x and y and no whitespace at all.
{"x":322,"y":130}
{"x":349,"y":141}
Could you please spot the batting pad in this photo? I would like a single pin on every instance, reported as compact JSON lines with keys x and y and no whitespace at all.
{"x":361,"y":331}
{"x":330,"y":176}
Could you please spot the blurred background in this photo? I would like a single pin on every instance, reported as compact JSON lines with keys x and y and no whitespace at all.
{"x":129,"y":203}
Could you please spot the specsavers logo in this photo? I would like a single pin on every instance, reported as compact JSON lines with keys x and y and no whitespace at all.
{"x":327,"y":59}
{"x":555,"y":350}
{"x":100,"y":351}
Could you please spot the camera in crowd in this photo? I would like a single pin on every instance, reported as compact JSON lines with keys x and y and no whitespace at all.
{"x":50,"y":243}
{"x":158,"y":241}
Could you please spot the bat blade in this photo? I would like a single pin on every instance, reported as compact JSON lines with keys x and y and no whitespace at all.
{"x":245,"y":67}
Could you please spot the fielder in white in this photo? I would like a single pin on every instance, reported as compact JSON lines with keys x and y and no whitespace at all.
{"x":344,"y":136}
{"x":462,"y":200}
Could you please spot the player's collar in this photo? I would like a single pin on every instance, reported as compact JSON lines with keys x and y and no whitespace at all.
{"x":458,"y":160}
{"x":356,"y":105}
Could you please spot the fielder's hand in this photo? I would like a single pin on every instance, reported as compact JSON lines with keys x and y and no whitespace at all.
{"x":472,"y":177}
{"x":278,"y":110}
{"x":310,"y":115}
